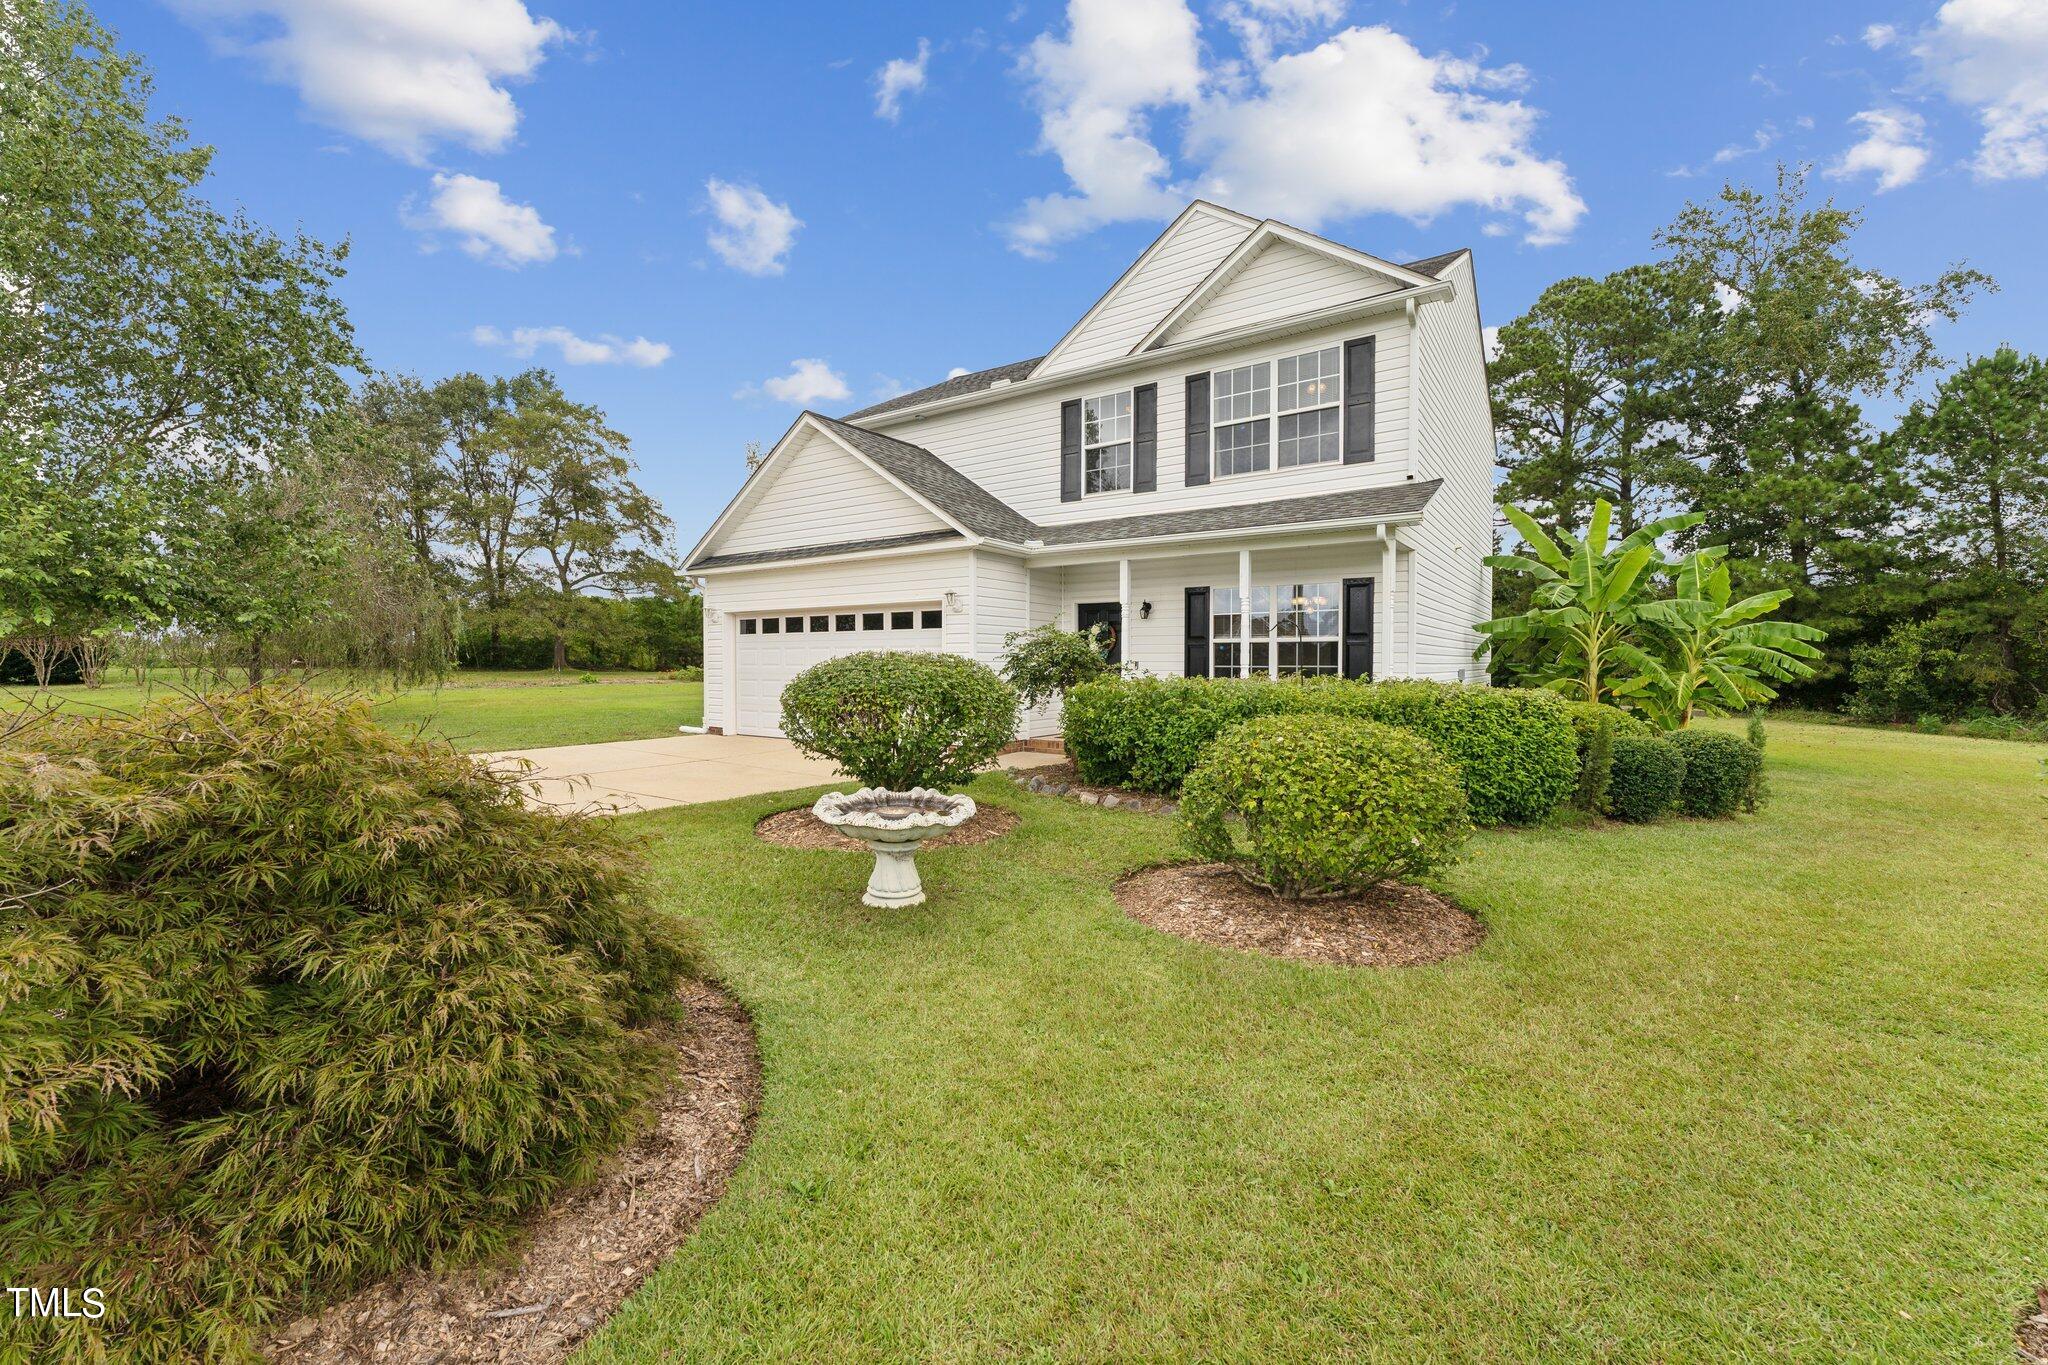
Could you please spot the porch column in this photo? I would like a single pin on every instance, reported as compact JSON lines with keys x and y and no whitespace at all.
{"x":1390,"y":583}
{"x":1244,"y":609}
{"x":1123,"y":607}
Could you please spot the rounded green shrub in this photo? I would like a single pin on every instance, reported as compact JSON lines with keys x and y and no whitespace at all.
{"x":1720,"y":771}
{"x":899,"y":721}
{"x":1596,"y":725}
{"x":1514,"y":747}
{"x":1644,"y":782}
{"x":291,"y":1001}
{"x":1311,"y":805}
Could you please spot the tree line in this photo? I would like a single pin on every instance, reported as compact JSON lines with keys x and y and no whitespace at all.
{"x":1729,"y":378}
{"x":186,"y":470}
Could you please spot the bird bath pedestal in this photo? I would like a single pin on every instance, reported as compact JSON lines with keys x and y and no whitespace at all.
{"x":892,"y":825}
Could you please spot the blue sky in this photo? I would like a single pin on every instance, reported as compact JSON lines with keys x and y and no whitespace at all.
{"x":688,"y":201}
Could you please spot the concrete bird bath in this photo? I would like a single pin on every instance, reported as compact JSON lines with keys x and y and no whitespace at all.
{"x":892,"y":825}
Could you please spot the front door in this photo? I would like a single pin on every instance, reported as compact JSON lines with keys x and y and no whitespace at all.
{"x":1110,"y":616}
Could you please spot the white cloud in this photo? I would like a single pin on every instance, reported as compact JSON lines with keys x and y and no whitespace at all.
{"x":898,"y":77}
{"x":1092,"y":89}
{"x":575,"y":350}
{"x":1760,"y":141}
{"x":404,"y":74}
{"x":957,"y":371}
{"x":1877,"y":37}
{"x":808,"y":381}
{"x":1362,"y":122}
{"x":487,"y":225}
{"x":755,"y":233}
{"x":1371,"y":125}
{"x":1992,"y":55}
{"x":1894,"y":149}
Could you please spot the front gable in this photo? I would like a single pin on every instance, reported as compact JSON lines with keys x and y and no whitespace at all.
{"x":1277,"y":272}
{"x":1175,"y":263}
{"x":815,"y":491}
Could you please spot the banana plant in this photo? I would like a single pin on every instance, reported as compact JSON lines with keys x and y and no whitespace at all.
{"x":1585,"y":603}
{"x":1707,"y":653}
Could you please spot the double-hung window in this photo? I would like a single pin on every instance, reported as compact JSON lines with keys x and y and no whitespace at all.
{"x":1277,"y":414}
{"x":1106,"y":443}
{"x":1288,"y":630}
{"x":1239,"y":401}
{"x":1307,"y":403}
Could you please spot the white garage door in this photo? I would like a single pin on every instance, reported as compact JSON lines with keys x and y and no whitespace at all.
{"x":776,"y":647}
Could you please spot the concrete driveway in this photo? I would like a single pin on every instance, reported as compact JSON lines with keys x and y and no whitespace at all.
{"x":679,"y":770}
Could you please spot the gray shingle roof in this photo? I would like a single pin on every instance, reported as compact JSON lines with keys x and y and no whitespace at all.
{"x":1392,"y":500}
{"x":839,"y":547}
{"x":1433,"y":266}
{"x":937,"y":482}
{"x":981,"y":512}
{"x":951,"y":388}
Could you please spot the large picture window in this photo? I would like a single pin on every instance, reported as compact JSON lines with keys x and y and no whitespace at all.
{"x":1106,"y":443}
{"x":1280,"y":414}
{"x":1289,"y":629}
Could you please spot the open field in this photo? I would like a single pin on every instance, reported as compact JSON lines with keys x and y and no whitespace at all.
{"x":1769,"y":1087}
{"x":477,"y":710}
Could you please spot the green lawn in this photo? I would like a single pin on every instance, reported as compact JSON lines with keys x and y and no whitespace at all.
{"x":483,"y":710}
{"x":1770,"y":1087}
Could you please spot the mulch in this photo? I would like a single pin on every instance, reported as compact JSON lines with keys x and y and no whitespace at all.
{"x":2033,"y":1329}
{"x":1393,"y":925}
{"x":583,"y":1254}
{"x":800,"y":829}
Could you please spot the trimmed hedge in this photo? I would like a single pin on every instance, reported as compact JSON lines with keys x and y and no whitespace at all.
{"x":899,"y":721}
{"x":1325,"y":805}
{"x":1514,"y":747}
{"x":292,"y":1001}
{"x":1720,"y":772}
{"x":1646,"y":777}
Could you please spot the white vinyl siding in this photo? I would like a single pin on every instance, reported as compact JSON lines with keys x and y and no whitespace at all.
{"x":1151,"y":292}
{"x":818,"y":494}
{"x":1006,"y":445}
{"x":1454,"y":589}
{"x":1283,"y":280}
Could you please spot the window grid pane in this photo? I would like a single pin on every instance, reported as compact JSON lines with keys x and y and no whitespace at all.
{"x":1107,"y":469}
{"x":1239,"y":394}
{"x":1240,"y":449}
{"x":1308,"y":380}
{"x":1308,"y":438}
{"x":844,"y":622}
{"x":1294,"y":630}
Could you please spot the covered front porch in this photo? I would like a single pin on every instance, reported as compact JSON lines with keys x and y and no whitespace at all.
{"x":1330,"y":604}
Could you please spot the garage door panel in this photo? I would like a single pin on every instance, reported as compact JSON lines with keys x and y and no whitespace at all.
{"x":776,"y":646}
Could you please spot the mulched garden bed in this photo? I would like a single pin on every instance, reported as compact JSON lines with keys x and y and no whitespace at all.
{"x":586,"y":1252}
{"x":1062,"y":780}
{"x":1393,"y":925}
{"x":2033,"y":1329}
{"x":800,"y":829}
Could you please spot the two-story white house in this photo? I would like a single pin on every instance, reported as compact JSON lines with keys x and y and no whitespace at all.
{"x":1261,"y":452}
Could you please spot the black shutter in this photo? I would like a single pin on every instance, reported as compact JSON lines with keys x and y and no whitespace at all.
{"x":1359,"y":378}
{"x":1198,"y":428}
{"x":1145,"y":438}
{"x":1198,"y":633}
{"x":1070,"y":451}
{"x":1358,"y":628}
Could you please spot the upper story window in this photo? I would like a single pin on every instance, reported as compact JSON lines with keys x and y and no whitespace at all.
{"x":1106,"y":443}
{"x":1239,"y":401}
{"x":1307,"y":401}
{"x":1302,"y":394}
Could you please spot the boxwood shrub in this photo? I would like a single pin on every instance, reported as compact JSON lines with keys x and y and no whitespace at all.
{"x":1514,"y":747}
{"x":1645,"y":779}
{"x":290,"y":1001}
{"x":1720,"y":772}
{"x":1311,"y":805}
{"x":899,"y":721}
